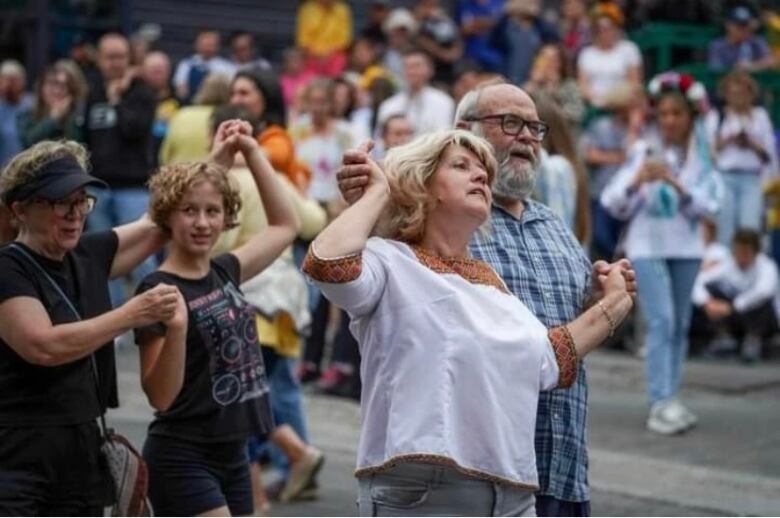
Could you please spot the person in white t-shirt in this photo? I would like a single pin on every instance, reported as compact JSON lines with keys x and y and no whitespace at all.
{"x":320,"y":140}
{"x":737,"y":296}
{"x":611,"y":60}
{"x":427,"y":108}
{"x":451,"y":362}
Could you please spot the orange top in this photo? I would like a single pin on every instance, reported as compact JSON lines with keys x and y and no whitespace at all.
{"x":281,"y":153}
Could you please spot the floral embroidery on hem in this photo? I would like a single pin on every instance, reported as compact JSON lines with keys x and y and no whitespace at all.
{"x":472,"y":270}
{"x":332,"y":271}
{"x":426,"y":458}
{"x":565,"y":355}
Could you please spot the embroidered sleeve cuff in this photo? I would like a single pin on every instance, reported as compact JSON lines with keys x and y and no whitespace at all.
{"x":565,"y":354}
{"x":332,"y":271}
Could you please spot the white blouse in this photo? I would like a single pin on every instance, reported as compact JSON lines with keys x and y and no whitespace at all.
{"x":451,"y":363}
{"x":650,"y":232}
{"x":758,"y":126}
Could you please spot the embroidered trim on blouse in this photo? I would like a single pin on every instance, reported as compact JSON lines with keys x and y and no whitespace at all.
{"x":333,"y":271}
{"x":441,"y":460}
{"x":565,"y":355}
{"x":473,"y":270}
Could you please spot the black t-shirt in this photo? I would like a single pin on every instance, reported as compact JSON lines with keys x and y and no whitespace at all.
{"x":224,"y":396}
{"x":33,"y":395}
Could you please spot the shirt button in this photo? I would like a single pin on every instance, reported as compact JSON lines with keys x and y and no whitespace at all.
{"x":556,"y":415}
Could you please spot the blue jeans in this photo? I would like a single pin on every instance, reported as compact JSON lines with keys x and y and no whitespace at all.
{"x":286,"y":405}
{"x":743,"y":204}
{"x":664,"y":289}
{"x":416,"y":489}
{"x":117,"y":207}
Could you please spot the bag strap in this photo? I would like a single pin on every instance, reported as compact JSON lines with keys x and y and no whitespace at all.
{"x":93,"y":362}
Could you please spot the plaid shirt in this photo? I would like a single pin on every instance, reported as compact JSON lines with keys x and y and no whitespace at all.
{"x":542,"y":263}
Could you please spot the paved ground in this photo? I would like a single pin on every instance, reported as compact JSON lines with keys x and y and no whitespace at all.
{"x":729,"y":465}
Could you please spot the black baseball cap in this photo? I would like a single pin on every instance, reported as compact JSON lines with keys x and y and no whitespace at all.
{"x":741,"y":15}
{"x":55,"y":180}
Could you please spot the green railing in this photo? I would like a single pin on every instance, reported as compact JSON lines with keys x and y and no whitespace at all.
{"x":659,"y":40}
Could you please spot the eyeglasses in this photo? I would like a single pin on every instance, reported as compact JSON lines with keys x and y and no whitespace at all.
{"x":513,"y":125}
{"x":62,"y":208}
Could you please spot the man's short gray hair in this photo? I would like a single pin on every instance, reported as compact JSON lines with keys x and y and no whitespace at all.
{"x":467,"y":107}
{"x":12,"y":68}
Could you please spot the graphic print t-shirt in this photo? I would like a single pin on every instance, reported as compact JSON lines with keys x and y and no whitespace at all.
{"x":225,"y":391}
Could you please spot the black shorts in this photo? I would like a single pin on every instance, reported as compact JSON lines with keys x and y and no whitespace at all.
{"x":189,"y":478}
{"x":52,"y":471}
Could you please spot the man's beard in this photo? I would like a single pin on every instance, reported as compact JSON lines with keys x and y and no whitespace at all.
{"x":515,"y":182}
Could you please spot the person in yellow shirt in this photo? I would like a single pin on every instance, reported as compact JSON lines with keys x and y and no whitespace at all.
{"x":324,"y":33}
{"x":772,"y":193}
{"x":280,"y":296}
{"x":188,"y":138}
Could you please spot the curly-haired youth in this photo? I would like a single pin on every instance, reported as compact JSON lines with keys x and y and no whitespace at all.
{"x":169,"y":185}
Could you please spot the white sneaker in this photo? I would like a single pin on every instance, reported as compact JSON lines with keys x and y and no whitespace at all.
{"x":682,"y":413}
{"x":665,"y":419}
{"x":302,"y":474}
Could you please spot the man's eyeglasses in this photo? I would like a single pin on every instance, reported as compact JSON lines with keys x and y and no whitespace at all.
{"x":62,"y":208}
{"x":513,"y":125}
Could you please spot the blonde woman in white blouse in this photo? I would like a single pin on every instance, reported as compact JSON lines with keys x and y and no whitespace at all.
{"x":452,"y":363}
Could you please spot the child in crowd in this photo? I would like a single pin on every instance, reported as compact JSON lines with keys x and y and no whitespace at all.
{"x":737,"y":297}
{"x":204,"y":373}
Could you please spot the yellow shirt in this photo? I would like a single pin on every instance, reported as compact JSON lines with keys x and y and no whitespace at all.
{"x":324,"y":30}
{"x":772,"y":192}
{"x":188,"y":138}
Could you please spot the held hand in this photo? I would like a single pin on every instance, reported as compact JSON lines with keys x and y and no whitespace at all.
{"x":156,"y":305}
{"x":246,"y":143}
{"x":354,"y":176}
{"x":224,"y":150}
{"x":601,"y":271}
{"x":378,"y":179}
{"x":614,"y":282}
{"x":179,"y":318}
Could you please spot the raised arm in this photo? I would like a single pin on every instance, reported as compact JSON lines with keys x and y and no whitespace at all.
{"x":599,"y":322}
{"x":137,"y":241}
{"x":348,"y":233}
{"x":26,"y":327}
{"x":283,"y":225}
{"x":571,"y":342}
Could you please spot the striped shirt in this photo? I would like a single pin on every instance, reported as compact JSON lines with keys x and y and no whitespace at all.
{"x":542,"y":263}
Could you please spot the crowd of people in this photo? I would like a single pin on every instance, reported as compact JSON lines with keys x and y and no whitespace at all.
{"x":487,"y":176}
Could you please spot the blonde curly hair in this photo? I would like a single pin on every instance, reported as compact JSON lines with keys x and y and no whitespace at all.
{"x":23,"y":167}
{"x":410,"y":169}
{"x":168,"y":186}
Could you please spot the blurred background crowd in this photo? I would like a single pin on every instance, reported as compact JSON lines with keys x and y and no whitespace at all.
{"x":318,"y":77}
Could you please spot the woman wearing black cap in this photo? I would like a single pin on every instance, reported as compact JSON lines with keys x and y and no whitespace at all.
{"x":49,"y":439}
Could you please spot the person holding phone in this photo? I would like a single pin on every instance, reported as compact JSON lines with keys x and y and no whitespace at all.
{"x":663,"y":190}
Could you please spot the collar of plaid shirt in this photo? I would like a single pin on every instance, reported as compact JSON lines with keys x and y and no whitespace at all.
{"x":542,"y":263}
